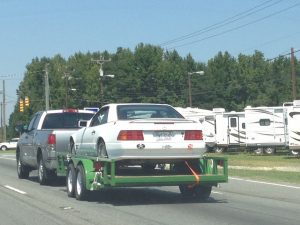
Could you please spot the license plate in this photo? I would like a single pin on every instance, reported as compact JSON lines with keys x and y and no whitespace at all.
{"x":163,"y":135}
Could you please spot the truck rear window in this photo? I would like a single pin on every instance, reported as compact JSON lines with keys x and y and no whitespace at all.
{"x":64,"y":120}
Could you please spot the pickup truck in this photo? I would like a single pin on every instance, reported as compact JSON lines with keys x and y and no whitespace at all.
{"x":46,"y":137}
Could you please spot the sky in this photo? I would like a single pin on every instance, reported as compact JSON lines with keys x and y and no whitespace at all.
{"x":202,"y":28}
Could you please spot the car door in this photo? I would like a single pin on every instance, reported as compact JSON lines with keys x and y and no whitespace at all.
{"x":91,"y":133}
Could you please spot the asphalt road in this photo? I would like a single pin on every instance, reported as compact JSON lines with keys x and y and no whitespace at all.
{"x":238,"y":202}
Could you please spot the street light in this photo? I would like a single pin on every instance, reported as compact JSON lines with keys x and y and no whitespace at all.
{"x":189,"y":83}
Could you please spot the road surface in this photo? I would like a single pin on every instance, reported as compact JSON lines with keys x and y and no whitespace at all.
{"x":238,"y":202}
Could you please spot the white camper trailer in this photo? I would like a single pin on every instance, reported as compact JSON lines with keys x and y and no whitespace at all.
{"x":293,"y":126}
{"x":206,"y":118}
{"x":230,"y":129}
{"x":265,"y":128}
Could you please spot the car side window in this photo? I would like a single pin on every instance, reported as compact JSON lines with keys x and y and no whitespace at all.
{"x":34,"y":122}
{"x":100,"y":117}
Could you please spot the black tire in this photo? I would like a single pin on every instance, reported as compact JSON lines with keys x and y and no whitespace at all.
{"x":72,"y":147}
{"x":43,"y":176}
{"x":71,"y":180}
{"x":294,"y":153}
{"x":101,"y":149}
{"x":269,"y":150}
{"x":197,"y":191}
{"x":219,"y":149}
{"x":3,"y":148}
{"x":23,"y":171}
{"x":81,"y":193}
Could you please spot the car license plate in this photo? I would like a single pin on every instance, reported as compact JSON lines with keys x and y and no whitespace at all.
{"x":163,"y":135}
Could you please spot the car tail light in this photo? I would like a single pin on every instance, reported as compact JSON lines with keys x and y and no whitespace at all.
{"x":51,"y":139}
{"x":193,"y":135}
{"x":131,"y":135}
{"x":70,"y":110}
{"x":97,"y":166}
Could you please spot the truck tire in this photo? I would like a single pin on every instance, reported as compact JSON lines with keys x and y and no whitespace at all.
{"x":42,"y":172}
{"x":101,"y":149}
{"x":198,"y":191}
{"x":71,"y":180}
{"x":23,"y":171}
{"x":81,"y":193}
{"x":3,"y":147}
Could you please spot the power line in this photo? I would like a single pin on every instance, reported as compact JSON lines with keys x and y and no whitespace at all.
{"x":282,"y":55}
{"x":236,"y":28}
{"x":223,"y":23}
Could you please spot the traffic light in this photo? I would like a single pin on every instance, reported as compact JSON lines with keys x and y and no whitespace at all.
{"x":27,"y":102}
{"x":21,"y":105}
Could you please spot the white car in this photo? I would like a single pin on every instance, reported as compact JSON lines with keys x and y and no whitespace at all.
{"x":11,"y":144}
{"x":136,"y":131}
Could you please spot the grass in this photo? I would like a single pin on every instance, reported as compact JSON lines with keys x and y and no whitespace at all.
{"x":12,"y":151}
{"x":252,"y":167}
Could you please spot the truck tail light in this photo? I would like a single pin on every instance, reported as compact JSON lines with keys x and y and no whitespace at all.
{"x":131,"y":135}
{"x":51,"y":139}
{"x":193,"y":135}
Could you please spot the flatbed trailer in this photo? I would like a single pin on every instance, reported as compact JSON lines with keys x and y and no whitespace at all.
{"x":195,"y":178}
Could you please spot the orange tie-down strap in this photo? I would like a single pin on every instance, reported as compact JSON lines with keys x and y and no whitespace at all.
{"x":197,"y":176}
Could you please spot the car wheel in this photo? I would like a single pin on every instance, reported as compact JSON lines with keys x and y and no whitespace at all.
{"x":3,"y":148}
{"x":72,"y":147}
{"x":101,"y":149}
{"x":258,"y":151}
{"x":198,"y":191}
{"x":269,"y":150}
{"x":71,"y":180}
{"x":23,"y":171}
{"x":42,"y":172}
{"x":81,"y":192}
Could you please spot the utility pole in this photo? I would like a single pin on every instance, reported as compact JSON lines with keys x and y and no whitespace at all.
{"x":4,"y":112}
{"x":100,"y":62}
{"x":67,"y":77}
{"x":294,"y":92}
{"x":47,"y":92}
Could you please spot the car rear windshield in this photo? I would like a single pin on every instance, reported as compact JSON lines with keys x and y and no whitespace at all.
{"x":64,"y":120}
{"x":129,"y":112}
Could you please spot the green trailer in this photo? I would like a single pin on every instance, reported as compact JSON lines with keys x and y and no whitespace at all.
{"x":195,"y":177}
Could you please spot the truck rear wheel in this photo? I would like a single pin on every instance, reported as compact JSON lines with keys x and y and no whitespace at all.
{"x":198,"y":191}
{"x":81,"y":192}
{"x":23,"y":171}
{"x":42,"y":172}
{"x":71,"y":180}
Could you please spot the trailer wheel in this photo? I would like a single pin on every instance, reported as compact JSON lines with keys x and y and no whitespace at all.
{"x":269,"y":150}
{"x":258,"y":151}
{"x":23,"y":171}
{"x":101,"y":149}
{"x":81,"y":192}
{"x":294,"y":153}
{"x":42,"y":171}
{"x":71,"y":180}
{"x":219,"y":149}
{"x":198,"y":191}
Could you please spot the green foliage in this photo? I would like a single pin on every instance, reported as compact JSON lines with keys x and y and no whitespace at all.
{"x":150,"y":74}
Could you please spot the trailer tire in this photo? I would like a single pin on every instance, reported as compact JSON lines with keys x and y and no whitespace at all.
{"x":295,"y":153}
{"x":198,"y":191}
{"x":71,"y":180}
{"x":219,"y":149}
{"x":258,"y":151}
{"x":81,"y":193}
{"x":23,"y":171}
{"x":269,"y":150}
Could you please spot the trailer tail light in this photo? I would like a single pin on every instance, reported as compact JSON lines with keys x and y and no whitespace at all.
{"x":131,"y":135}
{"x":193,"y":135}
{"x":97,"y":166}
{"x":51,"y":139}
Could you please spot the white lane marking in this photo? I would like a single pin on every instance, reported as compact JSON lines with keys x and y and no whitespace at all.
{"x":15,"y":189}
{"x":8,"y":158}
{"x":262,"y":182}
{"x":216,"y":192}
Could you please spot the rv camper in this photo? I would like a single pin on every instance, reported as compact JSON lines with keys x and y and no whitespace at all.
{"x":265,"y":128}
{"x":229,"y":129}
